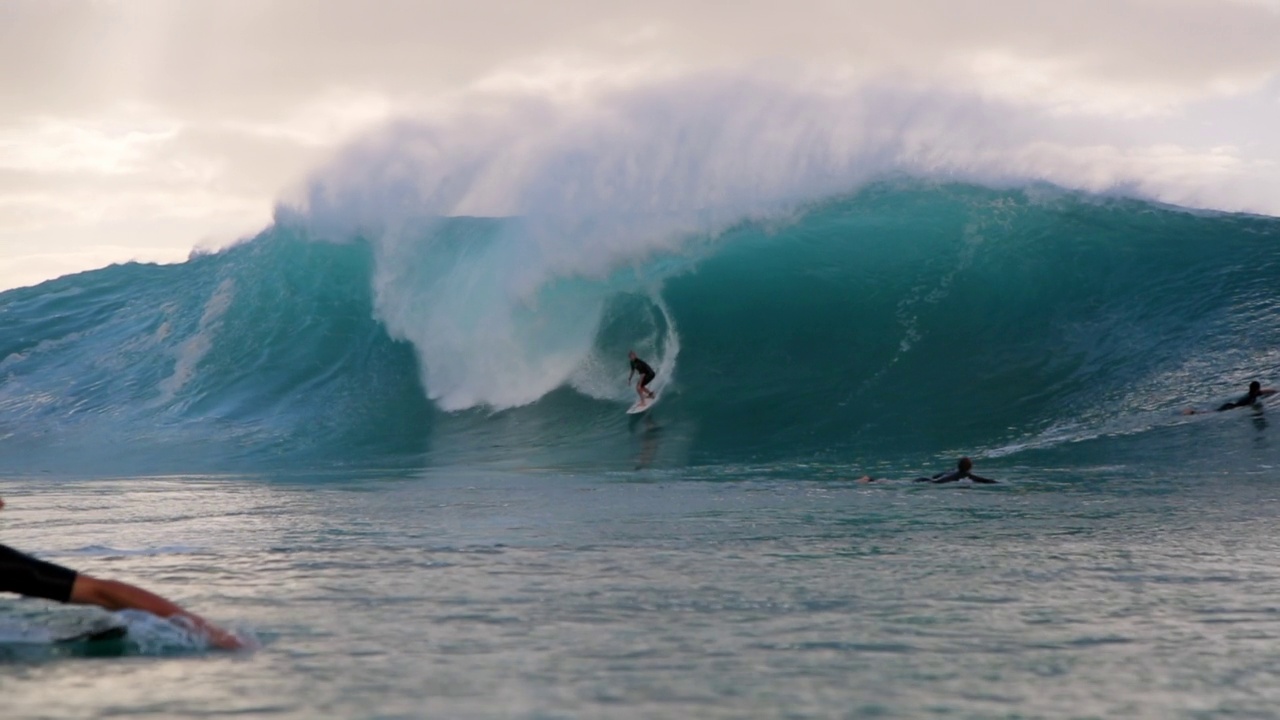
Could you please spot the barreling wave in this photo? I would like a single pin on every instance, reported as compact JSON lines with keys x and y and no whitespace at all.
{"x":906,"y":319}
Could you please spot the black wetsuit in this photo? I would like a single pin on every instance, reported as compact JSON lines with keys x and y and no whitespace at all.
{"x":20,"y":573}
{"x":1245,"y":401}
{"x":955,"y":475}
{"x":646,"y":373}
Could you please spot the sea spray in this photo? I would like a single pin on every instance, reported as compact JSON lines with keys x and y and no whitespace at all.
{"x":642,"y":180}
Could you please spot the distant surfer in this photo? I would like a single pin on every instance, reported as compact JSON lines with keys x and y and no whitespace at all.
{"x":962,"y":471}
{"x":22,"y":574}
{"x":1249,"y":399}
{"x":646,"y":376}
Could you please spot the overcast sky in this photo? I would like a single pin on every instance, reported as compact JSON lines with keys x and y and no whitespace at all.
{"x":141,"y":129}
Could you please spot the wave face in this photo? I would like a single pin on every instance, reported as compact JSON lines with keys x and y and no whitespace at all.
{"x":905,"y":320}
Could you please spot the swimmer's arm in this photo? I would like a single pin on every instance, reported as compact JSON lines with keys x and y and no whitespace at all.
{"x":1267,"y":391}
{"x":114,"y":595}
{"x":985,"y":481}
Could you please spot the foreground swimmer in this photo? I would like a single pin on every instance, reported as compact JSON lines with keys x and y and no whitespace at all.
{"x":960,"y":473}
{"x":22,"y":574}
{"x":1256,"y":392}
{"x":646,"y":376}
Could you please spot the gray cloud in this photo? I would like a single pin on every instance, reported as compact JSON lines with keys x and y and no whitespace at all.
{"x":249,"y":94}
{"x":255,"y":58}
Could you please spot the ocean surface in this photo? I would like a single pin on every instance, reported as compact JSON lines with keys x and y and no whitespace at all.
{"x":397,"y":457}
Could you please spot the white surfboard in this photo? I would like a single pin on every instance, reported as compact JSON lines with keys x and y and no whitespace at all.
{"x":638,"y":408}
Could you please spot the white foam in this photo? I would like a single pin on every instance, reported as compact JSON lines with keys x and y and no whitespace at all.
{"x":192,"y":350}
{"x":611,"y":187}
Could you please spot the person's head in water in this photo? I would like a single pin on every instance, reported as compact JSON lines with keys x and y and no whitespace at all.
{"x":965,"y":464}
{"x":1255,"y":388}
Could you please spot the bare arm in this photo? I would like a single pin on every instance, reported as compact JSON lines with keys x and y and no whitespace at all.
{"x":982,"y":480}
{"x":115,"y":595}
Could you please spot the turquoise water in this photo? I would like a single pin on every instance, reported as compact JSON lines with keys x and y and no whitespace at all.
{"x":904,"y":324}
{"x":400,"y":461}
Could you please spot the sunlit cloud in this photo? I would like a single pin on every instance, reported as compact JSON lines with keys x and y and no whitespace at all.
{"x":325,"y":121}
{"x":204,"y":111}
{"x":101,"y":146}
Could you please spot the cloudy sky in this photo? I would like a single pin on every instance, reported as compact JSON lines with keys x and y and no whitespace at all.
{"x":141,"y":129}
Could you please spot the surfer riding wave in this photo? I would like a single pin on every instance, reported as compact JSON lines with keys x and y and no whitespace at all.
{"x":646,"y":376}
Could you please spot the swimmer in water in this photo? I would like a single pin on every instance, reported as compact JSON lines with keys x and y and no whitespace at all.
{"x":22,"y":574}
{"x":961,"y":472}
{"x":1249,"y":399}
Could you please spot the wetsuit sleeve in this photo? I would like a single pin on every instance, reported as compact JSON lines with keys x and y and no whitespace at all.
{"x":947,"y":477}
{"x":22,"y":574}
{"x":985,"y":481}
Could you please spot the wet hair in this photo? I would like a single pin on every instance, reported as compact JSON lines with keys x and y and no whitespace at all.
{"x":965,"y":464}
{"x":1255,"y":387}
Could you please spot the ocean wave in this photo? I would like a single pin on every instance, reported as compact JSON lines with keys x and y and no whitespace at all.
{"x":908,"y":318}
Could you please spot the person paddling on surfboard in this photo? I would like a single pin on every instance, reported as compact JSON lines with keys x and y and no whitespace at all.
{"x":1256,"y":392}
{"x":960,"y":473}
{"x":22,"y":574}
{"x":646,"y":376}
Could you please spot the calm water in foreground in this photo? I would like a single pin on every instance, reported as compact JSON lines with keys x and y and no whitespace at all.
{"x":734,"y":592}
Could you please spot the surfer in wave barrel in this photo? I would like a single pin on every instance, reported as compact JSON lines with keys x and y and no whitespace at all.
{"x":646,"y":376}
{"x":1251,"y":398}
{"x":22,"y":574}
